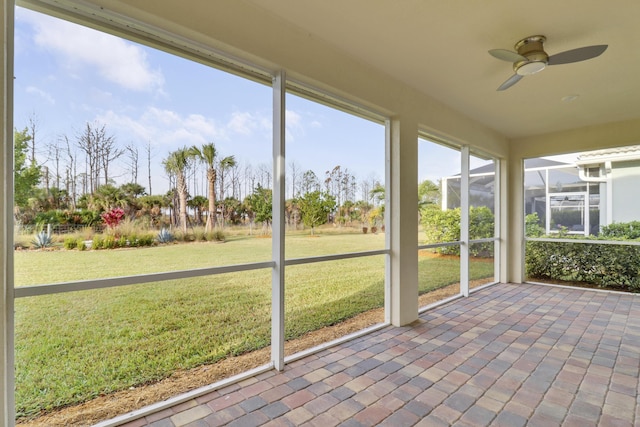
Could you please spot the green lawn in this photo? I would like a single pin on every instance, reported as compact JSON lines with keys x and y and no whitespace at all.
{"x":74,"y":346}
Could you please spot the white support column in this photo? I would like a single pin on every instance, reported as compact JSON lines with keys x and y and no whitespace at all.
{"x":497,"y":220}
{"x":277,"y":233}
{"x":7,"y":398}
{"x":503,"y":223}
{"x":404,"y":220}
{"x":389,"y":230}
{"x":515,"y":221}
{"x":464,"y":221}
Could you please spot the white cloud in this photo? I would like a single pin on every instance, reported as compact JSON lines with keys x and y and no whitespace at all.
{"x":294,"y":125}
{"x":242,"y":123}
{"x":293,"y":119}
{"x":39,"y":92}
{"x":164,"y":128}
{"x":113,"y":58}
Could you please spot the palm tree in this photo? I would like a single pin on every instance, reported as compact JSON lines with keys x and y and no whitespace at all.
{"x":198,"y":203}
{"x":207,"y":154}
{"x":176,"y":164}
{"x":132,"y":193}
{"x":107,"y":197}
{"x":225,"y":164}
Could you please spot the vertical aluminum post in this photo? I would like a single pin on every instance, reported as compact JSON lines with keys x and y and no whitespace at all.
{"x":389,"y":229}
{"x":464,"y":221}
{"x":7,"y":379}
{"x":497,"y":219}
{"x":277,"y":234}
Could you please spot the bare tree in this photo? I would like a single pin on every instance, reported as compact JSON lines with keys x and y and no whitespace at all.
{"x":235,"y":181}
{"x":294,"y":177}
{"x":108,"y":153}
{"x":148,"y":148}
{"x":71,"y":173}
{"x":54,"y":152}
{"x":264,"y":175}
{"x":99,"y":150}
{"x":249,"y":180}
{"x":366,"y":186}
{"x":310,"y":182}
{"x":132,"y":155}
{"x":33,"y":126}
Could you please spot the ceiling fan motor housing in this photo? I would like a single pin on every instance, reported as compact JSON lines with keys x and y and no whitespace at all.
{"x":532,"y":49}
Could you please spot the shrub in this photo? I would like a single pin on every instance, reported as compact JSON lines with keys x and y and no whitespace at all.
{"x":199,"y":234}
{"x":109,"y":242}
{"x":137,"y":240}
{"x":532,"y":226}
{"x":70,"y":242}
{"x":97,"y":242}
{"x":89,"y":218}
{"x":216,"y":236}
{"x":80,"y":244}
{"x":604,"y":265}
{"x":145,"y":239}
{"x":444,"y":226}
{"x":622,"y":230}
{"x":113,"y":217}
{"x":164,"y":236}
{"x":42,"y":240}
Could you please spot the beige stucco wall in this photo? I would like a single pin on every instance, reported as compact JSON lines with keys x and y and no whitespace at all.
{"x":626,"y":191}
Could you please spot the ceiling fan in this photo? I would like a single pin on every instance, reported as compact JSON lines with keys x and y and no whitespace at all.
{"x":531,"y":58}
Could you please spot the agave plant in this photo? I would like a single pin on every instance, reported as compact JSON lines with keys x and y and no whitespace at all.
{"x":42,"y":240}
{"x":164,"y":236}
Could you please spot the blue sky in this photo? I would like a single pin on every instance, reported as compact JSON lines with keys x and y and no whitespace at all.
{"x":68,"y":75}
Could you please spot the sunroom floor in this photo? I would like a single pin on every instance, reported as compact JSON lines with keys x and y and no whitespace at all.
{"x":509,"y":355}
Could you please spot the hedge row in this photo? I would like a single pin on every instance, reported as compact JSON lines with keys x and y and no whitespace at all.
{"x":444,"y":226}
{"x":605,"y":265}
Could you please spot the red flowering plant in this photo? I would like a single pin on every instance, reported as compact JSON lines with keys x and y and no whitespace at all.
{"x":113,"y":217}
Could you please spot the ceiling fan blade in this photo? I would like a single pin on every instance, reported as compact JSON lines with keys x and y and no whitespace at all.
{"x":510,"y":82}
{"x":577,"y":55}
{"x":506,"y":55}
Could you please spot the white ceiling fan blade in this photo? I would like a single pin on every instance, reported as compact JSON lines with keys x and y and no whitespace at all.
{"x":506,"y":55}
{"x":577,"y":55}
{"x":510,"y":82}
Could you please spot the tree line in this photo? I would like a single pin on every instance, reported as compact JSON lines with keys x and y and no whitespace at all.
{"x":76,"y":182}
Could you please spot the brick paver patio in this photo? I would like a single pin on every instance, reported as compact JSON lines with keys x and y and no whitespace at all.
{"x":509,"y":355}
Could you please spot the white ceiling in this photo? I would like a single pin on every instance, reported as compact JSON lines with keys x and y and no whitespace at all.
{"x":439,"y":47}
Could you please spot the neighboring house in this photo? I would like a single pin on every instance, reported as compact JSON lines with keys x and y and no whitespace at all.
{"x":617,"y":172}
{"x":600,"y":188}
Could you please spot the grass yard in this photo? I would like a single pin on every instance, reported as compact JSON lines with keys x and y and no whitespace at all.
{"x":74,"y":346}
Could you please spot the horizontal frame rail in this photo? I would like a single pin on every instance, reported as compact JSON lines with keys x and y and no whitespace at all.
{"x":485,"y":240}
{"x":443,"y":244}
{"x":439,"y":245}
{"x":323,"y":258}
{"x":110,"y":282}
{"x":84,"y":285}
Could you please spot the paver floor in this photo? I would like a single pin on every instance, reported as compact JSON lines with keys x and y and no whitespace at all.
{"x":509,"y":355}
